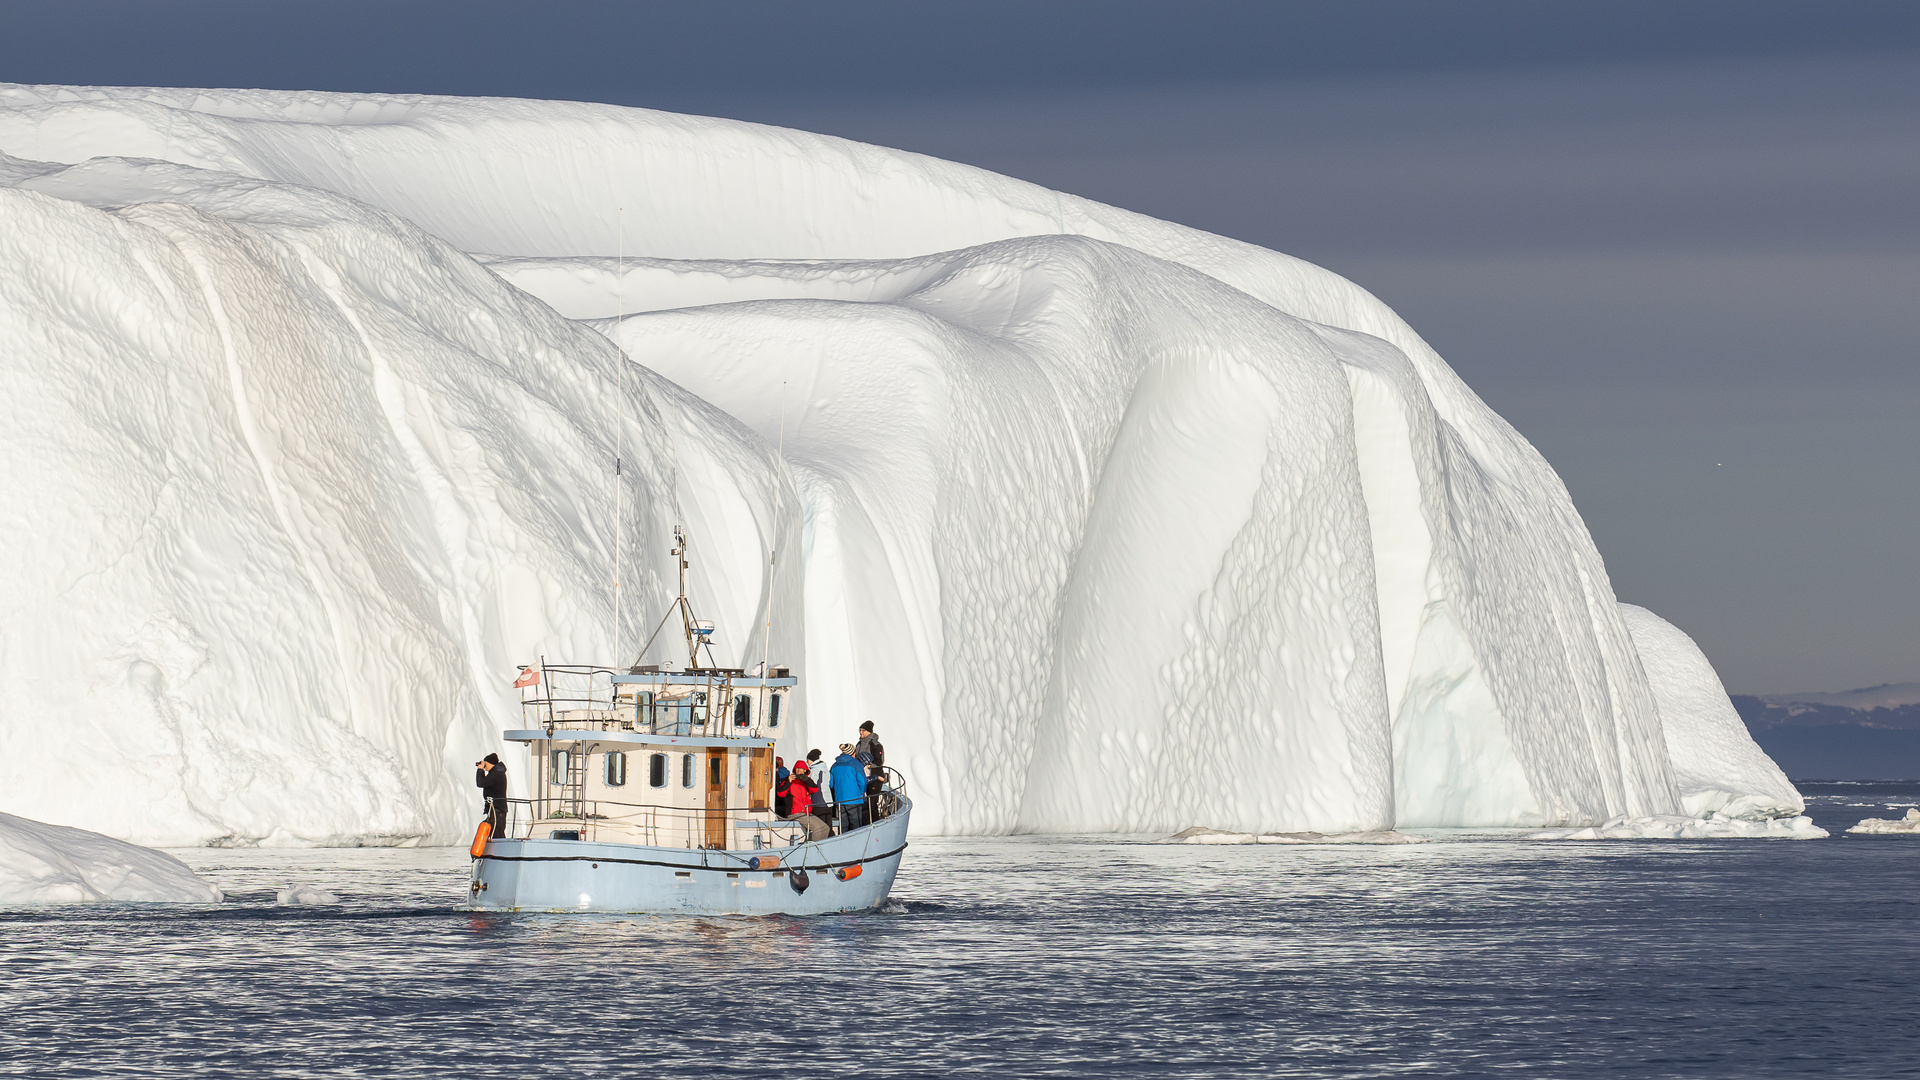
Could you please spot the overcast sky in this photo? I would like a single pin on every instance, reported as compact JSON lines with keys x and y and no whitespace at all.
{"x":1675,"y":242}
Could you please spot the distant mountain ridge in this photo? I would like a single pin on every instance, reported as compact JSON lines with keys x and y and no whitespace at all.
{"x":1872,"y":733}
{"x":1884,"y":696}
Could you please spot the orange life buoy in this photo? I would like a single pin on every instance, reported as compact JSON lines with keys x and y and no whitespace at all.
{"x":480,"y":839}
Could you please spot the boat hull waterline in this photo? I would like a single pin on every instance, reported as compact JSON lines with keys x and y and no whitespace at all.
{"x":849,"y":872}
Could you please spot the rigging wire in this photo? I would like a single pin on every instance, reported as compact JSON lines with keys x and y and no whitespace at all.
{"x":620,"y":415}
{"x":773,"y":554}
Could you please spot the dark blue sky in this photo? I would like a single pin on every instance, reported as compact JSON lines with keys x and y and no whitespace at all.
{"x":1675,"y":243}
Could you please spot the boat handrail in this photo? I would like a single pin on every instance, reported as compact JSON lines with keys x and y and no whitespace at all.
{"x":896,"y":781}
{"x":524,"y":816}
{"x":709,"y":728}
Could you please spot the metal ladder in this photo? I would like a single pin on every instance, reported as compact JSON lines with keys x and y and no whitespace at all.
{"x":575,"y":789}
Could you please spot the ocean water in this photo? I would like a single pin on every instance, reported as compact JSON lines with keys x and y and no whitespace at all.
{"x":1025,"y":957}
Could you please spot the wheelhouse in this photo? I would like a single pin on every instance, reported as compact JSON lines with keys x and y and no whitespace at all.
{"x":655,"y":755}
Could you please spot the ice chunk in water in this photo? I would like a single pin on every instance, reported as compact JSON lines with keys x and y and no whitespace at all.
{"x":54,"y":864}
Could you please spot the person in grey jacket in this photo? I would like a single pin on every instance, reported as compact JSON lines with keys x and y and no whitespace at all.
{"x":868,"y":750}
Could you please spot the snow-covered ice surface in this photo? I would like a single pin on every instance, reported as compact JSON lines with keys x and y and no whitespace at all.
{"x":55,"y":864}
{"x":1109,"y":524}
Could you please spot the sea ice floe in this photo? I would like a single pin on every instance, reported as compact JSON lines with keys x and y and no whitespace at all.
{"x":1909,"y":824}
{"x":296,"y":895}
{"x":1215,"y":836}
{"x":1679,"y":827}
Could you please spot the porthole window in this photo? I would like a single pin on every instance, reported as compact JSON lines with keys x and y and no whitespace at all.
{"x":773,"y":711}
{"x":616,"y":769}
{"x":686,"y":770}
{"x":657,"y":770}
{"x":557,"y":763}
{"x":740,"y":770}
{"x":742,"y":711}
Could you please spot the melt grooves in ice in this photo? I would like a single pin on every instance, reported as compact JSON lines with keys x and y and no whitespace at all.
{"x":1107,"y":523}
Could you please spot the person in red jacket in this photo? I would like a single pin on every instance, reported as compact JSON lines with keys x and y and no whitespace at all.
{"x":803,"y":791}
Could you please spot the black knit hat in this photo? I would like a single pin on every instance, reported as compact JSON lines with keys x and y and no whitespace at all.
{"x":492,"y":759}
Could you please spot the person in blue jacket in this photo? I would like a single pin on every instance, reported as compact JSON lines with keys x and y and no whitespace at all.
{"x":848,"y":779}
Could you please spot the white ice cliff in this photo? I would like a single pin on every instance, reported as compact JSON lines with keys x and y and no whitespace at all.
{"x":1108,"y":524}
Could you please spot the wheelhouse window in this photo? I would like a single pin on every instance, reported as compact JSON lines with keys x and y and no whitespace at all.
{"x":657,"y":770}
{"x":742,"y":711}
{"x":686,"y":770}
{"x":616,"y":773}
{"x":773,"y":711}
{"x":558,"y":762}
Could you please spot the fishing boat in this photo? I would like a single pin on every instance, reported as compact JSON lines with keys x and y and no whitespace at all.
{"x":652,"y":791}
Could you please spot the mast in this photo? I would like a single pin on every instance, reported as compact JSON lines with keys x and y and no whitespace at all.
{"x":696,"y":631}
{"x":686,"y":609}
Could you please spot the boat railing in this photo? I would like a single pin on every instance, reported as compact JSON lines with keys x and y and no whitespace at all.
{"x":637,"y":823}
{"x":662,"y":722}
{"x":892,"y":793}
{"x":662,"y":826}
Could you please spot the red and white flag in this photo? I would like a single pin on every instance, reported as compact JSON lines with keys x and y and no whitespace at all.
{"x":528,"y":677}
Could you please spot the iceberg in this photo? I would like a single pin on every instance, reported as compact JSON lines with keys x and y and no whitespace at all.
{"x":1908,"y":825}
{"x":53,"y":864}
{"x":1109,"y":524}
{"x":1718,"y":767}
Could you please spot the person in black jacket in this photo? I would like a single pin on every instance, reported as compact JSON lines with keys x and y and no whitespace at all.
{"x":491,"y":778}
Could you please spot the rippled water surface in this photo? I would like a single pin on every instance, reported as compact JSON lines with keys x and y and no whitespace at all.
{"x":1061,"y":957}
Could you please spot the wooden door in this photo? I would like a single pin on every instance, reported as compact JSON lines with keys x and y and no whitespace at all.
{"x":716,"y":798}
{"x":760,"y":778}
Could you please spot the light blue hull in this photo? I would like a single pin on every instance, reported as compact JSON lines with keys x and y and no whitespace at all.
{"x":576,"y":875}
